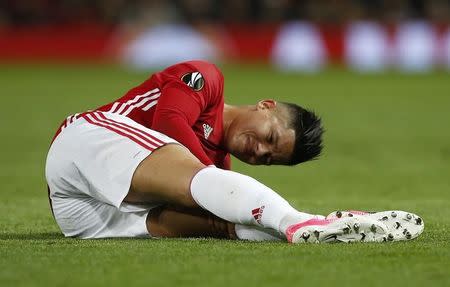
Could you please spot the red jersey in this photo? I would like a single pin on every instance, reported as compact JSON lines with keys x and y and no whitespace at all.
{"x":185,"y":102}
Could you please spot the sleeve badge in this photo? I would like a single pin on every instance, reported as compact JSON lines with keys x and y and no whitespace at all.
{"x":194,"y":80}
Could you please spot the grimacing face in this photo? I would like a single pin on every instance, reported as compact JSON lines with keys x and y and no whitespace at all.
{"x":261,"y":136}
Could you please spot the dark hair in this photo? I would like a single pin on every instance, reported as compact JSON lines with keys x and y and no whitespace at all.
{"x":308,"y":133}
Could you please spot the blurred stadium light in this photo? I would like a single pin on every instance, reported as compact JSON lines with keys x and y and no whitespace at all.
{"x":367,"y":47}
{"x":416,"y":46}
{"x":299,"y":47}
{"x":301,"y":35}
{"x":163,"y":45}
{"x":446,"y":49}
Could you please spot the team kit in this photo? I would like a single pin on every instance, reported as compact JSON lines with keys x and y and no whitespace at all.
{"x":155,"y":163}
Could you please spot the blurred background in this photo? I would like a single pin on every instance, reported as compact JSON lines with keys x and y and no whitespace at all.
{"x":292,"y":35}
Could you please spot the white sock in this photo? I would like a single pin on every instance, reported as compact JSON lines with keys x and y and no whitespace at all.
{"x":255,"y":233}
{"x":243,"y":200}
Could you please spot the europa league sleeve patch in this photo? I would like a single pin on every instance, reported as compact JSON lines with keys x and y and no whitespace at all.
{"x":194,"y":80}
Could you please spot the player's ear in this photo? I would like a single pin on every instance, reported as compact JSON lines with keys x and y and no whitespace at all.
{"x":266,"y":104}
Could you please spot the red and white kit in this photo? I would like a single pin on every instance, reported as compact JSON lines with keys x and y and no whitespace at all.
{"x":184,"y":102}
{"x":93,"y":156}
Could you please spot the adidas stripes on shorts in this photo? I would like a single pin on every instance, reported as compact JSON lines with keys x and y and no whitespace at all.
{"x":89,"y":169}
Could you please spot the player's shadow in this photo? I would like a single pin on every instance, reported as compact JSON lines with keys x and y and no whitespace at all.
{"x":31,"y":236}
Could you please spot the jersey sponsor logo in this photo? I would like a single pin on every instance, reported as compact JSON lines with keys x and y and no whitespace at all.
{"x":194,"y":80}
{"x":207,"y":130}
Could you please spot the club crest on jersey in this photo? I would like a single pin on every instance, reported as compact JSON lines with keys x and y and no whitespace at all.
{"x":194,"y":80}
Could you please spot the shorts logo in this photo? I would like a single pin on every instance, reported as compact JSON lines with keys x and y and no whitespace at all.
{"x":207,"y":130}
{"x":194,"y":80}
{"x":257,"y":213}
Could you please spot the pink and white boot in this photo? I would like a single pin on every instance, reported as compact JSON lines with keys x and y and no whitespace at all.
{"x":401,"y":225}
{"x":329,"y":230}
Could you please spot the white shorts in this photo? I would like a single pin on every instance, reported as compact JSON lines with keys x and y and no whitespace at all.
{"x":89,"y":169}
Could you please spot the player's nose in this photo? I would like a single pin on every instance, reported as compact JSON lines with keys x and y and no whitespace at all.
{"x":261,"y":150}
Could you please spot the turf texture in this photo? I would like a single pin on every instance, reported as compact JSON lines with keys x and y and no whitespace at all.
{"x":387,"y":147}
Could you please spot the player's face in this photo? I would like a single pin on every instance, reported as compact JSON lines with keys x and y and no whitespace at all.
{"x":261,"y":136}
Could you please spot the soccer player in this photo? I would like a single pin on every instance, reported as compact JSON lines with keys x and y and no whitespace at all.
{"x":186,"y":103}
{"x":157,"y":155}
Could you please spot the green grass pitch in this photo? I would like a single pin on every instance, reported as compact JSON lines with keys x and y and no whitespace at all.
{"x":387,"y":147}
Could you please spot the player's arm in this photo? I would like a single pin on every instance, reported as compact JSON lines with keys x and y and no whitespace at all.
{"x":176,"y":113}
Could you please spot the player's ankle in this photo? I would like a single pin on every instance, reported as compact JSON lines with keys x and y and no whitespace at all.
{"x":293,"y":218}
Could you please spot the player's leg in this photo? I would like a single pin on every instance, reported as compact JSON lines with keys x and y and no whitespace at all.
{"x":172,"y":174}
{"x":173,"y":221}
{"x":164,"y":176}
{"x":256,"y":233}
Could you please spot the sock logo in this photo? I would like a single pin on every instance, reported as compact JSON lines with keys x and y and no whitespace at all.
{"x":257,"y":213}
